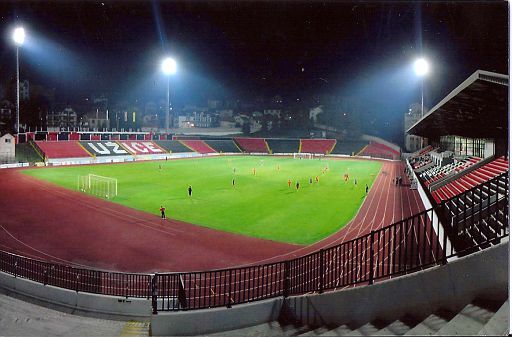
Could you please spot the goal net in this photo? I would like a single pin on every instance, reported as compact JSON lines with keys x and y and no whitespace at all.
{"x":100,"y":186}
{"x":302,"y":156}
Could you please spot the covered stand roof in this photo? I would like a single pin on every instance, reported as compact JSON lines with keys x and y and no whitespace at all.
{"x":477,"y":108}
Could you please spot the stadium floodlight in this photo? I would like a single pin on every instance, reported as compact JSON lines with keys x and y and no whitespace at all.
{"x":169,"y":67}
{"x":421,"y":67}
{"x":18,"y":37}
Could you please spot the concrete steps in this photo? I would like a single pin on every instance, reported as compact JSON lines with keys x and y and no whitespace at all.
{"x":470,"y":320}
{"x":480,"y":317}
{"x":498,"y":324}
{"x":316,"y":331}
{"x":273,"y":328}
{"x":338,"y":331}
{"x":396,"y":328}
{"x":364,"y":330}
{"x":431,"y":324}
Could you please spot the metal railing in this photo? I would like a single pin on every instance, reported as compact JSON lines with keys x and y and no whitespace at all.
{"x":418,"y":242}
{"x":78,"y":279}
{"x":473,"y":220}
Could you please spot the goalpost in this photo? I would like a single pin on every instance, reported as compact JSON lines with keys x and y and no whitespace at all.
{"x":100,"y":186}
{"x":302,"y":155}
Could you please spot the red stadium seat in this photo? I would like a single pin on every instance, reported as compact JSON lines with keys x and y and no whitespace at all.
{"x":321,"y":146}
{"x":66,"y":149}
{"x":258,"y":145}
{"x":198,"y":146}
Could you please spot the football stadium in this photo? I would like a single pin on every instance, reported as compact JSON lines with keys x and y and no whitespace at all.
{"x":157,"y":232}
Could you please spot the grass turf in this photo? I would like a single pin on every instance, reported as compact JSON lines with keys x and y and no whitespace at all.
{"x":259,"y":205}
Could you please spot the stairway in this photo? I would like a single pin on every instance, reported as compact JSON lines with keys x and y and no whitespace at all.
{"x":480,"y":317}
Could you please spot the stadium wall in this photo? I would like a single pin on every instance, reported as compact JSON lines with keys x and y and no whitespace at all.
{"x":449,"y":286}
{"x":199,"y":322}
{"x":83,"y":302}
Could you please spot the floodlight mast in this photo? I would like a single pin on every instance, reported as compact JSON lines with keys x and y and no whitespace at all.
{"x":169,"y":67}
{"x":421,"y":67}
{"x":18,"y":37}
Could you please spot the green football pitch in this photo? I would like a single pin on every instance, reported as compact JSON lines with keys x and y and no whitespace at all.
{"x":260,"y":204}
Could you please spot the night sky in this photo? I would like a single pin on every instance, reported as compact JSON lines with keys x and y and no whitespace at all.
{"x":248,"y":49}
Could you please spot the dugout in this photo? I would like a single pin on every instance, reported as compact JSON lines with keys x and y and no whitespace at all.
{"x":472,"y":119}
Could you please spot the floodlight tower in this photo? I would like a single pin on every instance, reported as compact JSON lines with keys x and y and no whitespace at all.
{"x":18,"y":37}
{"x":169,"y":67}
{"x":421,"y":67}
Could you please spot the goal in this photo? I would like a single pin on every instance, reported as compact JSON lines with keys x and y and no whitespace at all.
{"x":302,"y":155}
{"x":100,"y":186}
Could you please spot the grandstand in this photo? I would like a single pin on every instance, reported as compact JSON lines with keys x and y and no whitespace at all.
{"x":223,"y":146}
{"x":173,"y":146}
{"x":252,"y":145}
{"x":318,"y":146}
{"x":198,"y":146}
{"x":53,"y":149}
{"x":375,"y":149}
{"x":471,"y":179}
{"x":348,"y":147}
{"x":283,"y":145}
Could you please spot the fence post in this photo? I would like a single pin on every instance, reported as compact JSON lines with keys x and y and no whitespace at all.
{"x":322,"y":269}
{"x":182,"y":295}
{"x":286,"y":283}
{"x":77,"y":286}
{"x":370,"y":281}
{"x":154,"y":294}
{"x":229,"y":289}
{"x":447,"y":229}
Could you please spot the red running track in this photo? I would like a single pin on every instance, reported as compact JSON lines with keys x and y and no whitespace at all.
{"x":47,"y":222}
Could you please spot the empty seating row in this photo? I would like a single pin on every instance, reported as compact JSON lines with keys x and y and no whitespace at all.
{"x":421,"y":163}
{"x":62,"y":149}
{"x":284,"y":145}
{"x":422,"y":151}
{"x":348,"y":147}
{"x":320,"y":146}
{"x":173,"y":146}
{"x":471,"y":179}
{"x":380,"y":150}
{"x":457,"y":167}
{"x":252,"y":145}
{"x":477,"y":216}
{"x":198,"y":146}
{"x":223,"y":146}
{"x":438,"y":172}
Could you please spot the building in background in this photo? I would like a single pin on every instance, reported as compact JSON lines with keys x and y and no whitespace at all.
{"x":62,"y":117}
{"x":7,"y":148}
{"x":412,"y":143}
